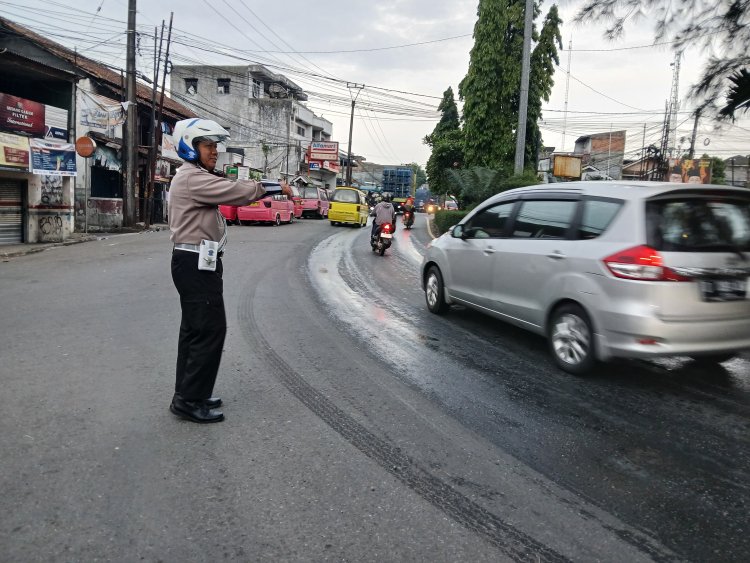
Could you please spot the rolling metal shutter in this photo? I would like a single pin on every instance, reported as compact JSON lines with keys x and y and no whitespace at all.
{"x":11,"y":212}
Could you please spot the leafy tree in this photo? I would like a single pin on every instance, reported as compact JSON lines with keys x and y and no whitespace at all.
{"x":717,"y":27}
{"x":739,"y":95}
{"x":447,"y":154}
{"x":449,"y":118}
{"x":718,"y":169}
{"x":446,"y":141}
{"x":490,"y":89}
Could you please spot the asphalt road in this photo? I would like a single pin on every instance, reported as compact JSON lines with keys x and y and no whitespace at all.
{"x":359,"y":426}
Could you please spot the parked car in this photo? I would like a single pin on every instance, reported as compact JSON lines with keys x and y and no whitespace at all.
{"x":274,"y":208}
{"x":348,"y":206}
{"x":314,"y":202}
{"x":451,"y":204}
{"x":605,"y":269}
{"x":297,"y":200}
{"x":230,"y":211}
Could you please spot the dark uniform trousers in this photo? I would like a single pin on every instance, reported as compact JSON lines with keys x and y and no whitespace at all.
{"x":203,"y":326}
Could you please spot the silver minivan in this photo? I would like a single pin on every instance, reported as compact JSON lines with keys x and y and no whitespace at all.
{"x":605,"y":269}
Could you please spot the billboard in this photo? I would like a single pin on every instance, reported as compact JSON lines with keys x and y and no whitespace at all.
{"x":52,"y":158}
{"x":324,"y":150}
{"x":99,"y":113}
{"x":14,"y":152}
{"x":567,"y":166}
{"x":21,"y":116}
{"x":32,"y":118}
{"x":690,"y":171}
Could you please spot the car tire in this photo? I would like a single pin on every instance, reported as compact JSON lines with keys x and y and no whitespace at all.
{"x":277,"y":220}
{"x":434,"y":291}
{"x":713,"y":359}
{"x":291,"y":218}
{"x":571,"y":339}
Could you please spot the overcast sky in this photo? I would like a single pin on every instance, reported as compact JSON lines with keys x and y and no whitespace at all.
{"x":322,"y":46}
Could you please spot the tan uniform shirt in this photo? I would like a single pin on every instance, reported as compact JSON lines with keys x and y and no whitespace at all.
{"x":194,"y":197}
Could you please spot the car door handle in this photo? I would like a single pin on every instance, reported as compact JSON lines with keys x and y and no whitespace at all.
{"x":489,"y":250}
{"x":556,"y":255}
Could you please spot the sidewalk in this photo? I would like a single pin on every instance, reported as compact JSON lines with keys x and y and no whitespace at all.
{"x":21,"y":249}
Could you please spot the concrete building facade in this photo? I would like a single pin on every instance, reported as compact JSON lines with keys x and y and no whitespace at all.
{"x":264,"y":113}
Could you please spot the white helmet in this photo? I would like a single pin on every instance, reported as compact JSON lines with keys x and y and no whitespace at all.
{"x":188,"y":131}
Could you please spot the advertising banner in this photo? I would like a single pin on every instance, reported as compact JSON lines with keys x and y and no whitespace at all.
{"x":55,"y":123}
{"x":332,"y":166}
{"x":162,"y":170}
{"x":21,"y":116}
{"x":99,"y":113}
{"x":325,"y":146}
{"x":314,"y":165}
{"x":168,"y":148}
{"x":314,"y":155}
{"x":687,"y":171}
{"x":14,"y":152}
{"x":52,"y":158}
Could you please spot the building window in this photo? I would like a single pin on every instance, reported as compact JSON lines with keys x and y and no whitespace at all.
{"x":191,"y":85}
{"x":256,"y":88}
{"x":300,"y":131}
{"x":222,"y":85}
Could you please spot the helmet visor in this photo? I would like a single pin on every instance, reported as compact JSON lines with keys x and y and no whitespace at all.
{"x":212,"y":138}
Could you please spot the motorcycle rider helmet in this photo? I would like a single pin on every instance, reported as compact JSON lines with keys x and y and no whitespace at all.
{"x":188,"y":132}
{"x":387,"y":198}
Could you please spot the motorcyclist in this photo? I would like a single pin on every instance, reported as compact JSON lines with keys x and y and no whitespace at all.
{"x":409,"y":208}
{"x":384,"y":213}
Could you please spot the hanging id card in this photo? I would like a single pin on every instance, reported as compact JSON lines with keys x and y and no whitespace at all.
{"x":208,"y":255}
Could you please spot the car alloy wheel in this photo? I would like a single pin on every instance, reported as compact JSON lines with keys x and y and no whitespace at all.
{"x":571,"y":339}
{"x":434,"y":291}
{"x":277,"y":220}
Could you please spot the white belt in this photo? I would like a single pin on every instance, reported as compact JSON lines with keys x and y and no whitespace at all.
{"x":188,"y":247}
{"x":193,"y":248}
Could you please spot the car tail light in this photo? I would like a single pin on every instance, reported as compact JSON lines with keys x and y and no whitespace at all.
{"x":267,"y":203}
{"x":641,"y":263}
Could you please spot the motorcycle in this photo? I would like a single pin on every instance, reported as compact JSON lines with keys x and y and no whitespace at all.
{"x":382,"y":240}
{"x":408,"y":219}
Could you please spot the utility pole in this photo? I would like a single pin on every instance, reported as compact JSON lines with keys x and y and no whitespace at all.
{"x":152,"y":151}
{"x":567,"y":89}
{"x":357,"y":87}
{"x":695,"y":132}
{"x":674,"y":103}
{"x":131,"y":127}
{"x":643,"y":152}
{"x":289,"y":135}
{"x":523,"y":104}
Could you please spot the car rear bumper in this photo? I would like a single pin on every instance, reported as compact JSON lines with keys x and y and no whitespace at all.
{"x":253,"y":214}
{"x":644,"y":337}
{"x":343,"y":216}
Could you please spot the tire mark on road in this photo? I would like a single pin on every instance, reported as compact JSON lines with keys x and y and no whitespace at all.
{"x":512,"y":542}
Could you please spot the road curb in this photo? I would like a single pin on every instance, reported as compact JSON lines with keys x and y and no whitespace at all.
{"x":33,"y":248}
{"x":429,"y":226}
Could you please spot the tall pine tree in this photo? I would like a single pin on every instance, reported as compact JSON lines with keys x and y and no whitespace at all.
{"x":446,"y":141}
{"x":490,"y":90}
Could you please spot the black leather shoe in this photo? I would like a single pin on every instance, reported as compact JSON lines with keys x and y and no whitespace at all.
{"x":213,"y":403}
{"x":195,"y":411}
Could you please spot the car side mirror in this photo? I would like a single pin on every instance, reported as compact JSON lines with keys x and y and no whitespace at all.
{"x":458,"y":232}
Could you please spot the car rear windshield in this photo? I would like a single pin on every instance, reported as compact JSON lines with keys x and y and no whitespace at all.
{"x":346,"y":196}
{"x":699,"y":224}
{"x":309,"y":193}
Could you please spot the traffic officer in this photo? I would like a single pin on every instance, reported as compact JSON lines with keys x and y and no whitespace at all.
{"x":199,"y":233}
